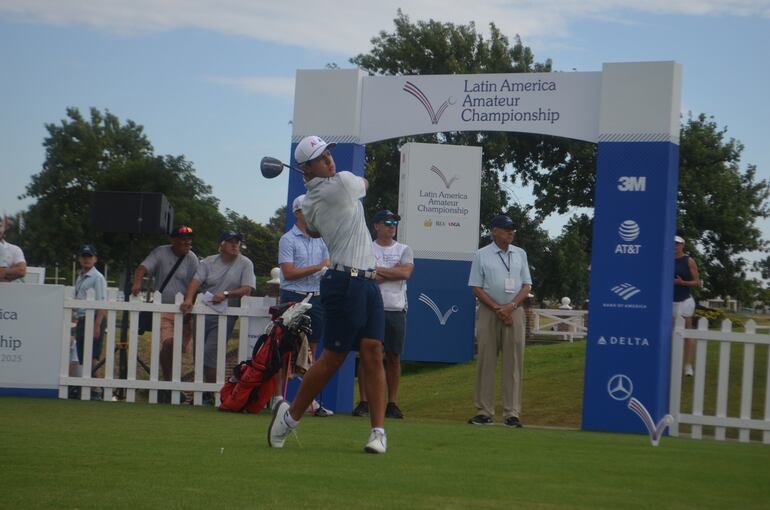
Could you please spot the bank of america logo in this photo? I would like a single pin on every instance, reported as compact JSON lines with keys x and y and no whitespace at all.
{"x":447,"y":183}
{"x":435,"y":115}
{"x":629,"y":230}
{"x":625,"y":291}
{"x":442,"y":318}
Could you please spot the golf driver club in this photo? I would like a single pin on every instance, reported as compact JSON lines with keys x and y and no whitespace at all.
{"x":272,"y":167}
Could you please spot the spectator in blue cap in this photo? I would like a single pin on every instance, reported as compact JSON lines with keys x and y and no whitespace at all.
{"x":89,"y":278}
{"x":500,"y":280}
{"x":229,"y":275}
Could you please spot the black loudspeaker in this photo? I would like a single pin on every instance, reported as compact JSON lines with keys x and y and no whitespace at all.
{"x":131,"y":212}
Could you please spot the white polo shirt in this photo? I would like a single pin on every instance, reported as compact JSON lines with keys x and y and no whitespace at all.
{"x":333,"y":208}
{"x":13,"y":254}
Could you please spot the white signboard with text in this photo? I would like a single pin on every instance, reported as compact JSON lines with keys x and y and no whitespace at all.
{"x":559,"y":104}
{"x":439,"y":200}
{"x":31,"y":319}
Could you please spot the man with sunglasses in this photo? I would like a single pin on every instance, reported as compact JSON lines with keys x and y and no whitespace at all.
{"x":354,"y":316}
{"x":394,"y":265}
{"x":174,"y":265}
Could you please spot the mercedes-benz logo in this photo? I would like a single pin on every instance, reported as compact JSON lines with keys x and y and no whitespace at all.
{"x":620,"y":387}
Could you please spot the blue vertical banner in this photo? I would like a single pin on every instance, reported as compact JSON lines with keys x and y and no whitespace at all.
{"x":632,"y":267}
{"x":632,"y":258}
{"x":441,"y":314}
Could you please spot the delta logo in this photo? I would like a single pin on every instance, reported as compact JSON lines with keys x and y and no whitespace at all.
{"x":433,"y":114}
{"x":623,"y":341}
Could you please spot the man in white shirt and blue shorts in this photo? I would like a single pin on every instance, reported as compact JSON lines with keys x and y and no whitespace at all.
{"x":354,"y":314}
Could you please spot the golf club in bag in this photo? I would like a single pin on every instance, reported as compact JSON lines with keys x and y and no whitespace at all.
{"x":284,"y":344}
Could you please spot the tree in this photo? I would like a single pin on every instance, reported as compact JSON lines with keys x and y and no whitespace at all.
{"x":101,"y":154}
{"x":719,"y":206}
{"x":433,"y":47}
{"x":260,"y":243}
{"x":565,"y":271}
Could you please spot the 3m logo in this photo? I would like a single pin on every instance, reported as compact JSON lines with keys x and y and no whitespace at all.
{"x":435,"y":115}
{"x":632,"y":183}
{"x":447,"y":182}
{"x":625,"y":291}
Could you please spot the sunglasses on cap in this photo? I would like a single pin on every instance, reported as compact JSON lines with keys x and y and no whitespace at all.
{"x":390,"y":223}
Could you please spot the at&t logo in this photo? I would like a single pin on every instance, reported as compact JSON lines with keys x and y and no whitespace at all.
{"x":628,"y":231}
{"x":632,"y":183}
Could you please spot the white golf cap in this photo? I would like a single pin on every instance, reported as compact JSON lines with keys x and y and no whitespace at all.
{"x":678,"y":239}
{"x":310,"y":148}
{"x":297,"y":204}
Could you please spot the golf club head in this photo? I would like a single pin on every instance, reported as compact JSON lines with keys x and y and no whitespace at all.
{"x":271,"y":167}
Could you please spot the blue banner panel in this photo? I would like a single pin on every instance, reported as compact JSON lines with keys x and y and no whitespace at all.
{"x":629,"y":333}
{"x":442,"y":311}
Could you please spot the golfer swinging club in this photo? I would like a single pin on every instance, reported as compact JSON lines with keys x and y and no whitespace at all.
{"x":354,"y":313}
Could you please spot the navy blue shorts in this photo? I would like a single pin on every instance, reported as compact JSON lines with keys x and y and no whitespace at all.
{"x":353,"y":310}
{"x":316,"y":313}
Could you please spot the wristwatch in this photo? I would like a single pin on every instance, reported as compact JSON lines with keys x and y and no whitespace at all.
{"x":515,"y":305}
{"x":226,"y":293}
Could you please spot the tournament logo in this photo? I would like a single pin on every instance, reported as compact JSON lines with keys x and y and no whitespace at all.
{"x":447,"y":182}
{"x":435,"y":115}
{"x":442,"y":318}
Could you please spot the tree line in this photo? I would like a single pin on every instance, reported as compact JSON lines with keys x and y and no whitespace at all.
{"x":719,"y":200}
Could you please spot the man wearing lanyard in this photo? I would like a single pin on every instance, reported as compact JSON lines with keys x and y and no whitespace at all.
{"x":303,"y":261}
{"x":500,"y":281}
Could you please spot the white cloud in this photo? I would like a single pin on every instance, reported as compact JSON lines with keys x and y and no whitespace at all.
{"x":273,"y":86}
{"x":345,"y":26}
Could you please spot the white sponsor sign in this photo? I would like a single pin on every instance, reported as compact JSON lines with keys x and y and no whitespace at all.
{"x":31,"y":318}
{"x":439,"y":200}
{"x":559,"y":104}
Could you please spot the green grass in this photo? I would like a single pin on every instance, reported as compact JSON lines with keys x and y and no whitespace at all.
{"x":72,"y":454}
{"x":552,"y":392}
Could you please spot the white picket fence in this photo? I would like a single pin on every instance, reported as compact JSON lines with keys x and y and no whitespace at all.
{"x":697,"y":418}
{"x":253,"y":315}
{"x":566,"y":324}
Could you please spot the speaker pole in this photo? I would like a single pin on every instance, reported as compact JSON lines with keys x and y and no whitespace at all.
{"x":123,"y":359}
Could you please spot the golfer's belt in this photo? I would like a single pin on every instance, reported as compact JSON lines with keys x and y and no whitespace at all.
{"x":355,"y":272}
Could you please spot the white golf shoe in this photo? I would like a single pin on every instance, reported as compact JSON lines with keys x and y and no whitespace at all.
{"x":279,"y":430}
{"x":378,"y":442}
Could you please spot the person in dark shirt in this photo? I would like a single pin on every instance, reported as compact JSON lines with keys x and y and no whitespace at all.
{"x":685,"y":277}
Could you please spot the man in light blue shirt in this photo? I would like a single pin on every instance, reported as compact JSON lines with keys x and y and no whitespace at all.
{"x":90,"y":278}
{"x":500,"y":280}
{"x":303,"y":260}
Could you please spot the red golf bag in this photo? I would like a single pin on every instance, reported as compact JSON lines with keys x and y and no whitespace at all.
{"x":253,"y":381}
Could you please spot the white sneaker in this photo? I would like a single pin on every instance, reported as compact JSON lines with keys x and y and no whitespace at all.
{"x":688,"y":370}
{"x":279,"y":430}
{"x":378,"y":443}
{"x":274,"y":401}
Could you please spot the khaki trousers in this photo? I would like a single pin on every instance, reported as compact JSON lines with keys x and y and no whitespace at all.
{"x":494,"y":336}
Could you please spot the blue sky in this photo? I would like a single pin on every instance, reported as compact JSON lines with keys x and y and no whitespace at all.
{"x":213,"y":81}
